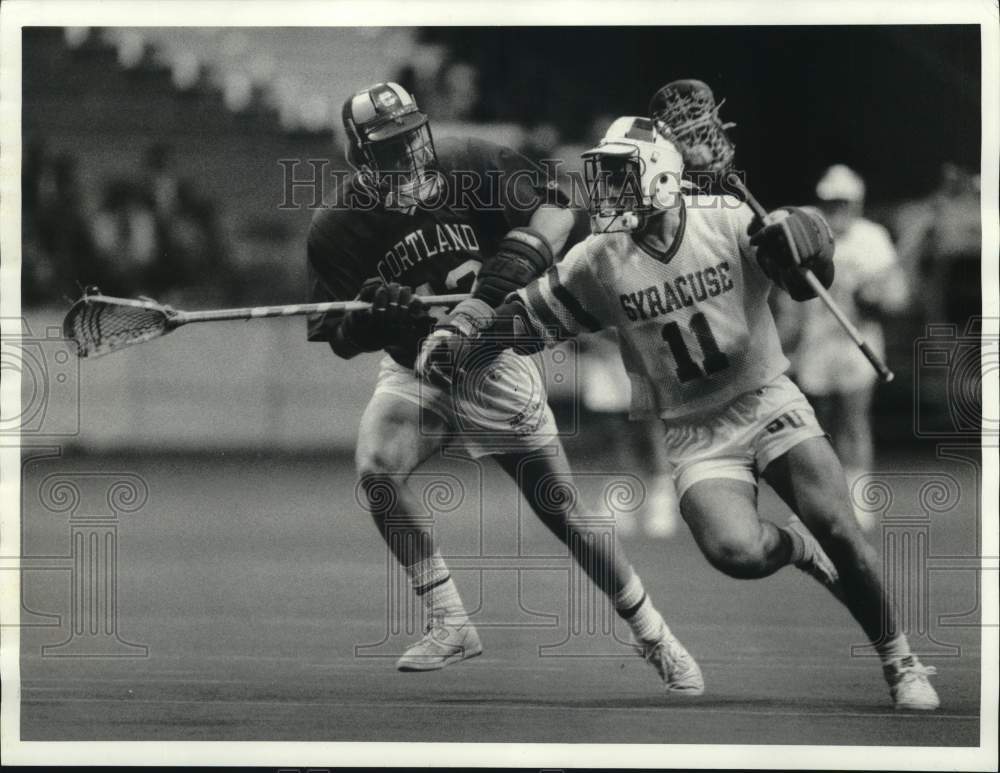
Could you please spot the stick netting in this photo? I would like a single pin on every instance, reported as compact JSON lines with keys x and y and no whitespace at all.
{"x":685,"y":111}
{"x":99,"y":324}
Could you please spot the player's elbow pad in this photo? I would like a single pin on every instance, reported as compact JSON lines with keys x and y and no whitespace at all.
{"x":523,"y":255}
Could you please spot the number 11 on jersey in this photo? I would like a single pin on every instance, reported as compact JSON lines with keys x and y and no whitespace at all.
{"x":687,"y":368}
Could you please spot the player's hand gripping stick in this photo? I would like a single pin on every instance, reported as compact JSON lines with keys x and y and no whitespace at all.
{"x":685,"y":111}
{"x":884,"y":374}
{"x":100,"y":324}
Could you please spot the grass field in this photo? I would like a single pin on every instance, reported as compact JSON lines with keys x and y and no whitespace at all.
{"x":253,"y":581}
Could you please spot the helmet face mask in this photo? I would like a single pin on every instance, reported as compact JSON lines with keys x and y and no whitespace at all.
{"x":632,"y":174}
{"x":403,"y":168}
{"x":390,"y":142}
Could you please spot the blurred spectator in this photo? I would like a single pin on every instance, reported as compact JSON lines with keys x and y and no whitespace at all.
{"x":59,"y":250}
{"x":446,"y":89}
{"x":195,"y":248}
{"x":869,"y":285}
{"x":459,"y":91}
{"x":160,"y":180}
{"x":125,"y":234}
{"x":940,"y":241}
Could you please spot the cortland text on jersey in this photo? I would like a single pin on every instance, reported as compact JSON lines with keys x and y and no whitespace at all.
{"x":678,"y":292}
{"x":424,"y":243}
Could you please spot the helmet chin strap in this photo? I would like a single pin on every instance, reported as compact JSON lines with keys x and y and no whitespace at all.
{"x":413,"y":195}
{"x":627,"y":222}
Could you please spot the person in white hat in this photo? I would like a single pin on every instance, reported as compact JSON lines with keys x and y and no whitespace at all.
{"x":869,"y":285}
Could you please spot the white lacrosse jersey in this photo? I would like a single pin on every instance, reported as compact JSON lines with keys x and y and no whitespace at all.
{"x":827,"y":359}
{"x":694,"y":326}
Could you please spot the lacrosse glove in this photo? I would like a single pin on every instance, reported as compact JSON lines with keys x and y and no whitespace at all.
{"x":789,"y":241}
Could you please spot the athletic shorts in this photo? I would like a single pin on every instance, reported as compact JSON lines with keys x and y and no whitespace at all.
{"x":503,"y":410}
{"x":833,"y":364}
{"x":742,"y":438}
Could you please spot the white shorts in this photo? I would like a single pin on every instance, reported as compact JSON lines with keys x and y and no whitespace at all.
{"x":833,"y":364}
{"x":503,"y":411}
{"x":743,"y":437}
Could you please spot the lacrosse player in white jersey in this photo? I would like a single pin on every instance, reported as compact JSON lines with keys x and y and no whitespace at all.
{"x":829,"y":367}
{"x":686,"y":286}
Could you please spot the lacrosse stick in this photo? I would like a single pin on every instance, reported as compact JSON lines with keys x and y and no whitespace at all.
{"x":100,"y":324}
{"x":685,"y":112}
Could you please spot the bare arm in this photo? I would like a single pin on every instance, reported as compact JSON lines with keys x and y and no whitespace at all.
{"x":554,"y":223}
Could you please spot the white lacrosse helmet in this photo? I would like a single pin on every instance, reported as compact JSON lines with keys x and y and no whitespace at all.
{"x":633,"y":172}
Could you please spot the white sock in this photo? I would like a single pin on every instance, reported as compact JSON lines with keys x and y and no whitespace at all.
{"x":434,"y":586}
{"x":798,"y":545}
{"x":636,"y":609}
{"x":894,"y":649}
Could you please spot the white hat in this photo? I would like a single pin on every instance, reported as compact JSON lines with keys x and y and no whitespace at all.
{"x":840,"y":183}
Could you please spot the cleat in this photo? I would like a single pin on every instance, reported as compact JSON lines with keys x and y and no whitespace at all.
{"x":678,"y":670}
{"x":442,"y":644}
{"x":909,"y":686}
{"x":815,"y":562}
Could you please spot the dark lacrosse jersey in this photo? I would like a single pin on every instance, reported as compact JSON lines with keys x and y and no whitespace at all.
{"x":487,"y":190}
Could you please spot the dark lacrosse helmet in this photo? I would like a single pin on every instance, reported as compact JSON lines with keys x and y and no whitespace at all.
{"x":389,"y":142}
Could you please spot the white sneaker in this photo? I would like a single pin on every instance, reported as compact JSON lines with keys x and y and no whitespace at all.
{"x":815,"y":562}
{"x":678,"y":670}
{"x":909,"y":686}
{"x":442,"y":644}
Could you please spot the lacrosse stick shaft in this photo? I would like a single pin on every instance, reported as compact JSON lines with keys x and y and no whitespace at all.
{"x":293,"y":310}
{"x":884,"y":374}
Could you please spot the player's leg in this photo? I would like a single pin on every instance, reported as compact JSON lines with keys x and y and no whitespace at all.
{"x":396,"y":435}
{"x":825,"y":409}
{"x":853,"y":441}
{"x":715,"y":473}
{"x":538,"y":473}
{"x":722,"y":515}
{"x":809,"y":478}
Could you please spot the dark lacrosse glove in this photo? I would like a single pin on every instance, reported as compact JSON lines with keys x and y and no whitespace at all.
{"x":789,"y":240}
{"x":393,"y":319}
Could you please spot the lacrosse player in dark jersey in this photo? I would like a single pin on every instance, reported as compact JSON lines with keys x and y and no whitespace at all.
{"x":460,"y":215}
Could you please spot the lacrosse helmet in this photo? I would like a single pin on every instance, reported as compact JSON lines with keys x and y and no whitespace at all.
{"x":389,"y":141}
{"x":633,"y":172}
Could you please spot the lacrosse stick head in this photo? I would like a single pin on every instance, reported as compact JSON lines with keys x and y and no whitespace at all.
{"x":100,"y":324}
{"x":686,"y":113}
